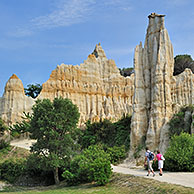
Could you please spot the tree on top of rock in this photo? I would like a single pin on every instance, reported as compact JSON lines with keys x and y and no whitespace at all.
{"x":181,"y":62}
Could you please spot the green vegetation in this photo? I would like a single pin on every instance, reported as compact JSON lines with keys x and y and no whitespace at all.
{"x":54,"y":126}
{"x":119,"y":183}
{"x":10,"y":170}
{"x":114,"y":137}
{"x":126,"y":71}
{"x":93,"y":164}
{"x":33,"y":90}
{"x":180,"y":154}
{"x":3,"y":127}
{"x":181,"y":122}
{"x":181,"y":62}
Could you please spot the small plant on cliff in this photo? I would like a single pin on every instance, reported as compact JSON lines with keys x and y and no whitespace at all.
{"x":180,"y":154}
{"x":33,"y":90}
{"x":181,"y":62}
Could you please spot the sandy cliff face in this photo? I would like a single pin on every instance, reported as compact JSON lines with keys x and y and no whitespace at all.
{"x":96,"y":86}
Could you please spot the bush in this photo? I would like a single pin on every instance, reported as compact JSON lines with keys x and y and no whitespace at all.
{"x":93,"y":164}
{"x":10,"y":170}
{"x":4,"y":144}
{"x":109,"y":135}
{"x":117,"y":154}
{"x":180,"y":154}
{"x":178,"y":123}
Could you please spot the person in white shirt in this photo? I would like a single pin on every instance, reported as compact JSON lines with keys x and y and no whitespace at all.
{"x":149,"y":161}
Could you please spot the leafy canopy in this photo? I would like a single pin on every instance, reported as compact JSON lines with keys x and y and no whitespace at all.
{"x":54,"y":126}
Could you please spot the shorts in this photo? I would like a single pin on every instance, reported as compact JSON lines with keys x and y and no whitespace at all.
{"x":150,"y":165}
{"x":160,"y":164}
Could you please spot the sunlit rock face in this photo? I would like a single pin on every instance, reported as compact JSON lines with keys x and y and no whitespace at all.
{"x":14,"y":101}
{"x":96,"y":87}
{"x":153,"y":65}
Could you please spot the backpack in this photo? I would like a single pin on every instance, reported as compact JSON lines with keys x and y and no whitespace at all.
{"x":150,"y":156}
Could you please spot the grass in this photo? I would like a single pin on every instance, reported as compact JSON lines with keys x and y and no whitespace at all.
{"x":119,"y":183}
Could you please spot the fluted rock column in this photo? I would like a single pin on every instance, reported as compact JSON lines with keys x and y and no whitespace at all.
{"x":154,"y":71}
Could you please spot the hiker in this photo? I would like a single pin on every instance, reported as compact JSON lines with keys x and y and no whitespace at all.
{"x":160,"y":159}
{"x":149,"y":157}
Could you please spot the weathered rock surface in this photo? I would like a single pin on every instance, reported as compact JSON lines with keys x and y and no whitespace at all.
{"x":157,"y":93}
{"x":152,"y":95}
{"x":96,"y":86}
{"x":14,"y":101}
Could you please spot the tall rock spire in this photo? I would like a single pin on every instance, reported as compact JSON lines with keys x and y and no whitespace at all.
{"x":153,"y":73}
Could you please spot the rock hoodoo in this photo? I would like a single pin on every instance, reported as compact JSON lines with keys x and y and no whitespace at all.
{"x":157,"y":93}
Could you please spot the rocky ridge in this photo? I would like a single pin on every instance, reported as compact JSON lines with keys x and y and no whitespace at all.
{"x":152,"y":94}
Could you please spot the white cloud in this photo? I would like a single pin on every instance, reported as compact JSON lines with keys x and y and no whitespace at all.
{"x":65,"y":14}
{"x":69,"y":12}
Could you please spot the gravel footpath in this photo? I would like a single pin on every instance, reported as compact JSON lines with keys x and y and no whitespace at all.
{"x":180,"y":178}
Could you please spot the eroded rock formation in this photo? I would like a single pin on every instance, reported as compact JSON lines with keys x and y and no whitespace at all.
{"x":99,"y":90}
{"x":96,"y":86}
{"x":14,"y":101}
{"x":157,"y":94}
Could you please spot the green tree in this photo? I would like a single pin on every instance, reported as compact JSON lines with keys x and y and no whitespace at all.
{"x":33,"y":90}
{"x":54,"y":126}
{"x":181,"y":62}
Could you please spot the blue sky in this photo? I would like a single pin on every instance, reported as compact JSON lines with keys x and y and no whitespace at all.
{"x":36,"y":35}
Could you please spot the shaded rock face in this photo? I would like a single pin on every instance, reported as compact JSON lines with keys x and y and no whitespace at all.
{"x":96,"y":87}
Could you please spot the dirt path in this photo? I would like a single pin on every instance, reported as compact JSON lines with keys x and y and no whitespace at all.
{"x":180,"y":178}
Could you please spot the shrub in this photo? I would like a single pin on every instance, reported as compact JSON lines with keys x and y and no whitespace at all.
{"x":4,"y":144}
{"x":93,"y":164}
{"x":178,"y":123}
{"x":109,"y":135}
{"x":10,"y":170}
{"x":180,"y":154}
{"x":117,"y":154}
